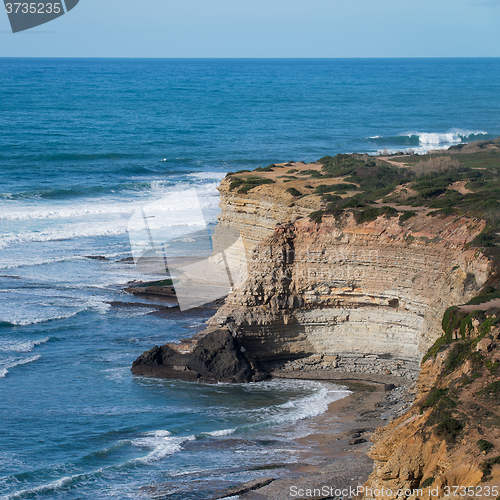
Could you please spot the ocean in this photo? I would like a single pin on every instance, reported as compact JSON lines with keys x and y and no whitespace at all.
{"x":86,"y":143}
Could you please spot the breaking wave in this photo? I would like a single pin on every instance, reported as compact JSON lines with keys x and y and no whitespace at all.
{"x":422,"y":142}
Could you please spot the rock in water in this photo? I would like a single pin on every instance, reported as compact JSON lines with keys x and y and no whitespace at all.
{"x":219,"y":356}
{"x":216,"y":357}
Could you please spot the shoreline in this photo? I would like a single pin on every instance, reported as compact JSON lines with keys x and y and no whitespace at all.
{"x":335,"y":455}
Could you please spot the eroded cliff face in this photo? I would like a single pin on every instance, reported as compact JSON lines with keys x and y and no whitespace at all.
{"x":340,"y":297}
{"x":446,"y":445}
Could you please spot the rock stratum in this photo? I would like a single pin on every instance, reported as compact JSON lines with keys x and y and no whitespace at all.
{"x":358,"y":290}
{"x":343,"y":297}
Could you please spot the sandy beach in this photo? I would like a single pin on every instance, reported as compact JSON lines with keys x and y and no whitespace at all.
{"x":336,"y":451}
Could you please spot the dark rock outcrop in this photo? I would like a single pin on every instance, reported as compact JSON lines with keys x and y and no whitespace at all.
{"x":216,"y":357}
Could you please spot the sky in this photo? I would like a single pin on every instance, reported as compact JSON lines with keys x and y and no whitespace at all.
{"x":263,"y":28}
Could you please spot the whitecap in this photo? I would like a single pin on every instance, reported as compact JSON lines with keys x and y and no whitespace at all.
{"x":53,"y":486}
{"x":37,"y":321}
{"x":223,"y":432}
{"x":21,"y":346}
{"x":10,"y":363}
{"x":162,"y":444}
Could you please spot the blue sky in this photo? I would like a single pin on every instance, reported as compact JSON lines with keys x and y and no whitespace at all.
{"x":264,"y":28}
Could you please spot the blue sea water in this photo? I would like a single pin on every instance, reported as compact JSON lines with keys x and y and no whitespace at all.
{"x":86,"y":143}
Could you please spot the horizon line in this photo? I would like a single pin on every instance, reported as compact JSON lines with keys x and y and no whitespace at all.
{"x":249,"y":58}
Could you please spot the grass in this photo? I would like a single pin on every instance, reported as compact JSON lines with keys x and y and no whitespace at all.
{"x":245,"y":185}
{"x":424,"y":181}
{"x":167,"y":282}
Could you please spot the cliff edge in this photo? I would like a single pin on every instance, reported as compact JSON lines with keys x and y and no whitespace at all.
{"x":356,"y":267}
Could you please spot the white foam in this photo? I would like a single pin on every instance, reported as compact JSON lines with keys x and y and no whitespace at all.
{"x":310,"y":406}
{"x":34,"y":263}
{"x":53,"y":486}
{"x":455,"y":136}
{"x":162,"y":444}
{"x":105,"y":216}
{"x":21,"y":346}
{"x":37,"y":321}
{"x":29,"y":212}
{"x":134,"y":312}
{"x":39,"y":309}
{"x":223,"y":432}
{"x":10,"y":363}
{"x":432,"y":140}
{"x":207,"y":175}
{"x":301,"y":407}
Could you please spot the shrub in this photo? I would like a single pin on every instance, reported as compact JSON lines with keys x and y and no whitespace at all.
{"x":324,"y":188}
{"x":436,"y":164}
{"x":427,"y":482}
{"x":317,"y":216}
{"x":315,"y":174}
{"x":236,"y":183}
{"x":492,"y":390}
{"x":434,"y":397}
{"x":486,"y":295}
{"x":330,"y":197}
{"x":269,"y":168}
{"x":294,"y":192}
{"x":487,"y":465}
{"x":406,"y":215}
{"x":456,"y":356}
{"x":492,"y":365}
{"x":250,"y":183}
{"x":485,"y":238}
{"x":449,"y":427}
{"x":484,"y":445}
{"x":372,"y":213}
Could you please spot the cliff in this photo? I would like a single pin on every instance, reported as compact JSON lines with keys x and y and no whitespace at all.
{"x":343,"y":297}
{"x":449,"y":439}
{"x":355,"y":268}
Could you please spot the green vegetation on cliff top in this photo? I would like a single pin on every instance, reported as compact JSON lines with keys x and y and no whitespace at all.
{"x":463,"y":180}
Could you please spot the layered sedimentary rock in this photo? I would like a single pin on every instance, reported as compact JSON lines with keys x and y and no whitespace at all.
{"x":337,"y":299}
{"x":340,"y":296}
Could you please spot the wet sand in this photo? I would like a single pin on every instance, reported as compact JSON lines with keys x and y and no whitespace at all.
{"x":336,"y":451}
